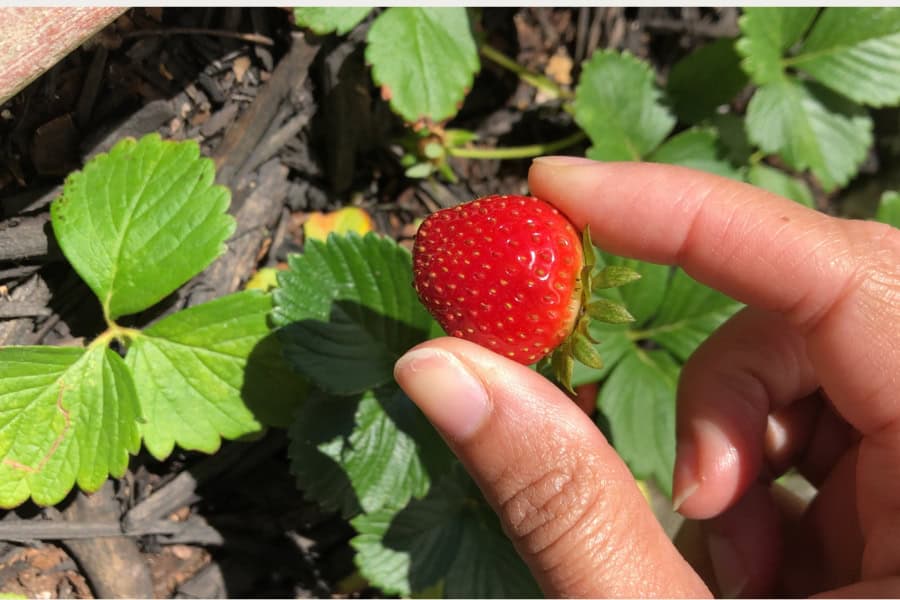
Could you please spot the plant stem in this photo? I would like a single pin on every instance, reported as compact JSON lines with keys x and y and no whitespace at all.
{"x":518,"y":151}
{"x":545,"y":84}
{"x":114,"y":332}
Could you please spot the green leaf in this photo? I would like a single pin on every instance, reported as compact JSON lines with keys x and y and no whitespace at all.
{"x":810,"y":127}
{"x":767,"y":33}
{"x":697,"y":148}
{"x":325,"y":20}
{"x":211,"y":371}
{"x":451,"y":535}
{"x":347,"y":311}
{"x":424,"y":59}
{"x":705,"y":79}
{"x":366,"y":452}
{"x":638,"y":400}
{"x":618,"y":105}
{"x":419,"y":170}
{"x":67,"y":416}
{"x":779,"y":182}
{"x":855,"y":52}
{"x":689,"y":312}
{"x":140,"y":221}
{"x":731,"y":133}
{"x":889,"y":209}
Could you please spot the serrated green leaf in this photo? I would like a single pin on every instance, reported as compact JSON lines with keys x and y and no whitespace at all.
{"x":689,"y":312}
{"x":140,"y":221}
{"x":697,"y":148}
{"x":337,"y":19}
{"x":767,"y":32}
{"x":424,"y":59}
{"x":705,"y":79}
{"x":618,"y":105}
{"x":67,"y":416}
{"x":347,"y":311}
{"x":450,"y":535}
{"x":638,"y":400}
{"x":779,"y":182}
{"x":366,"y":452}
{"x":855,"y":52}
{"x":211,"y":371}
{"x":810,"y":127}
{"x":889,"y":209}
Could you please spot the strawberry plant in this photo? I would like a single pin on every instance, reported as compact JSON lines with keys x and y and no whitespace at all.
{"x":785,"y":105}
{"x":136,"y":224}
{"x":439,"y":55}
{"x":346,"y":310}
{"x":360,"y":448}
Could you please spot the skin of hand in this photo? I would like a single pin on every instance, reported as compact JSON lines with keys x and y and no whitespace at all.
{"x":806,"y":376}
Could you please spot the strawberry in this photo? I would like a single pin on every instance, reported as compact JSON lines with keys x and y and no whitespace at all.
{"x":511,"y":273}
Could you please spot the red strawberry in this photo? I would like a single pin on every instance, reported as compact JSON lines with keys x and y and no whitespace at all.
{"x":509,"y":273}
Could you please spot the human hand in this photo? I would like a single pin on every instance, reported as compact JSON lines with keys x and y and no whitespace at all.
{"x":806,"y":376}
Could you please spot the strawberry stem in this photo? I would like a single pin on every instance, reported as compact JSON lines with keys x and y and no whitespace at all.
{"x":545,"y":84}
{"x":517,"y":151}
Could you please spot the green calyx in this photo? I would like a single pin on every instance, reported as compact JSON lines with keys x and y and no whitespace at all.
{"x":580,"y":345}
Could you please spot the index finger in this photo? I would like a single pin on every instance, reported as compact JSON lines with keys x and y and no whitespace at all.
{"x":734,"y":237}
{"x":836,"y":281}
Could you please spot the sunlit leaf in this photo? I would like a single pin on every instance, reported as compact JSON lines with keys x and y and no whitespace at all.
{"x":140,"y":221}
{"x":67,"y":416}
{"x":619,"y":106}
{"x":212,"y":371}
{"x":424,"y":59}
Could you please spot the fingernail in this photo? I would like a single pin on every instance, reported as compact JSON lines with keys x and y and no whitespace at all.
{"x":727,"y":565}
{"x":563,"y":161}
{"x":452,"y":398}
{"x":684,"y":480}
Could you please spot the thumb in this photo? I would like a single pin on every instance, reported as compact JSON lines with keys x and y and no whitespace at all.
{"x":565,"y":498}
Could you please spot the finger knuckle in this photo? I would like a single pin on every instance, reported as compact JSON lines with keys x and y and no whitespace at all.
{"x":858,"y":261}
{"x":880,"y":266}
{"x":561,"y":508}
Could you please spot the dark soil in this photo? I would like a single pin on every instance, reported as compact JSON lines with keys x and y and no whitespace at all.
{"x":295,"y":126}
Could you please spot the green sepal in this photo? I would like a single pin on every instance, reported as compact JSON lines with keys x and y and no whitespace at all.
{"x":589,"y":259}
{"x":585,"y":352}
{"x":587,"y":247}
{"x":608,"y":311}
{"x":580,"y":345}
{"x":614,"y":276}
{"x":562,"y":364}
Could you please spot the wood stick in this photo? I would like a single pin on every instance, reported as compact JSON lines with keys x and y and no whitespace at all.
{"x":33,"y":39}
{"x":242,"y":138}
{"x":114,"y":565}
